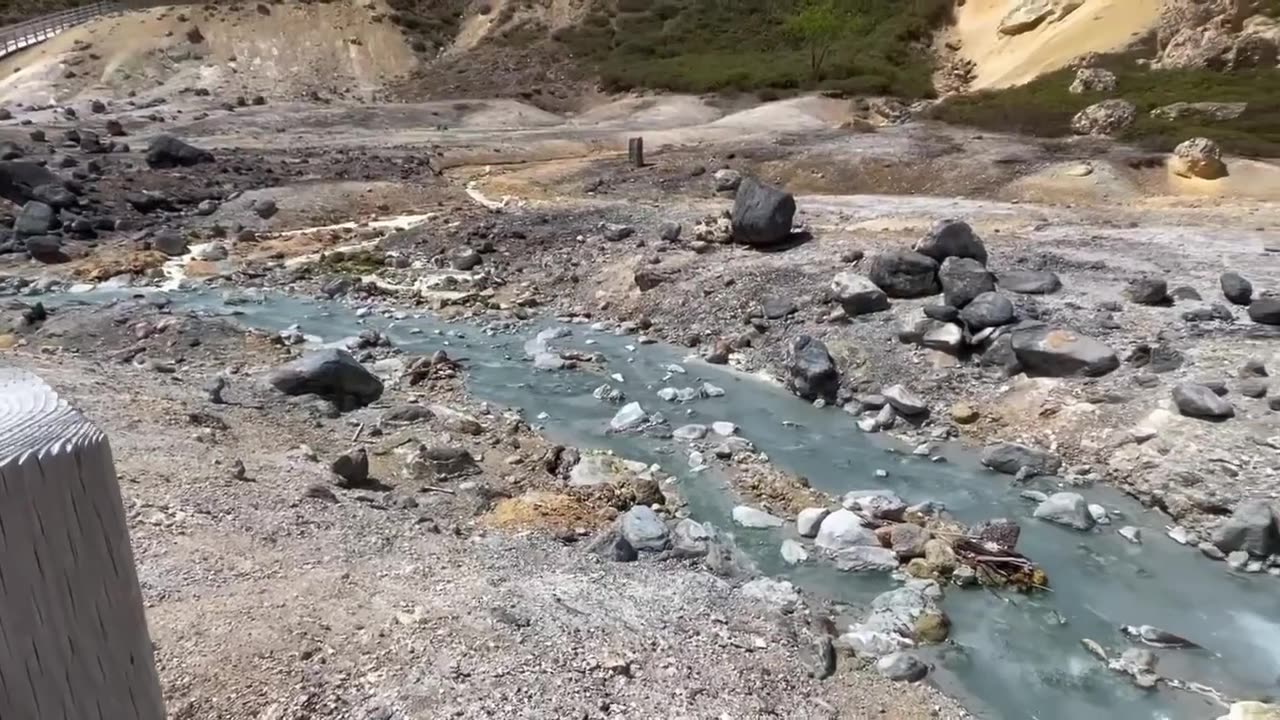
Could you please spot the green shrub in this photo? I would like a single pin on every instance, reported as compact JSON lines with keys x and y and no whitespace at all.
{"x":1044,"y":107}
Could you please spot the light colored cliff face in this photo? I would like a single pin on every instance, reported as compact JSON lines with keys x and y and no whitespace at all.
{"x":1215,"y":34}
{"x":1011,"y":42}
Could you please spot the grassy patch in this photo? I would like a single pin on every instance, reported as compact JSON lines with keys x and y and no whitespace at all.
{"x":738,"y":45}
{"x":1044,"y":107}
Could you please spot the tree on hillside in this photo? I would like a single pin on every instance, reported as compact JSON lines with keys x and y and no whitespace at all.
{"x":818,"y":24}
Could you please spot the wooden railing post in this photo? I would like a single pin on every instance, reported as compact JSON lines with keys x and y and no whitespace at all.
{"x":73,"y":636}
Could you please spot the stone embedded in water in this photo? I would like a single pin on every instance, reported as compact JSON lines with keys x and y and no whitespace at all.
{"x":1060,"y":352}
{"x":1199,"y":401}
{"x":843,"y":529}
{"x":711,"y":391}
{"x":1067,"y":509}
{"x":809,"y":520}
{"x":690,"y":432}
{"x":793,"y":552}
{"x":750,"y":517}
{"x":812,"y":371}
{"x":865,"y":558}
{"x":642,"y":527}
{"x":902,"y":667}
{"x":879,"y":504}
{"x":724,"y":429}
{"x":630,"y":417}
{"x":1100,"y":515}
{"x":1010,"y":458}
{"x":690,"y":539}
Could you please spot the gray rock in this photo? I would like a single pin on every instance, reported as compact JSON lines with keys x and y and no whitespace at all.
{"x":1194,"y":400}
{"x":436,"y":463}
{"x":35,"y":218}
{"x":642,"y":527}
{"x":690,"y":539}
{"x":170,"y":242}
{"x":809,"y":520}
{"x":18,"y":180}
{"x":55,"y":196}
{"x":762,"y":215}
{"x":750,"y":517}
{"x":1068,"y":509}
{"x":689,"y":432}
{"x":611,"y":545}
{"x":669,"y":231}
{"x":905,"y":274}
{"x":352,"y":467}
{"x":46,"y":249}
{"x":1184,"y":293}
{"x":865,"y":558}
{"x":777,"y":308}
{"x":1130,"y":533}
{"x":1238,"y":559}
{"x":778,"y":593}
{"x":1011,"y":458}
{"x":952,"y":238}
{"x":1265,"y":311}
{"x":812,"y":372}
{"x":630,"y":417}
{"x":964,"y":279}
{"x":793,"y":552}
{"x":987,"y":310}
{"x":1236,"y":289}
{"x":857,"y":294}
{"x":945,"y":337}
{"x":332,"y":374}
{"x":727,"y":180}
{"x":1253,"y":387}
{"x":902,"y":667}
{"x":1053,"y":351}
{"x":1253,"y":527}
{"x":843,"y":529}
{"x":1148,"y":291}
{"x":1211,"y":551}
{"x":907,"y":540}
{"x":941,"y":313}
{"x":465,"y":258}
{"x":167,"y":151}
{"x":905,"y":401}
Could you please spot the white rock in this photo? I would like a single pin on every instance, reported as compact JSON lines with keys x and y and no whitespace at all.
{"x":793,"y":552}
{"x":725,"y":429}
{"x":809,"y":520}
{"x":1099,"y":514}
{"x":1132,"y":534}
{"x":630,"y":417}
{"x":750,"y":517}
{"x":779,"y":593}
{"x":690,"y":432}
{"x":712,"y":391}
{"x":843,"y":529}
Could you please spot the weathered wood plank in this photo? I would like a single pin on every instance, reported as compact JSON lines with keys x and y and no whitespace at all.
{"x":73,"y":636}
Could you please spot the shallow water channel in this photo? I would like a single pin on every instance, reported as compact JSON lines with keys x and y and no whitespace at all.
{"x":1010,"y":656}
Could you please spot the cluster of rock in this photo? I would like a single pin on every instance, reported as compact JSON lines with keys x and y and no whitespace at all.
{"x":57,"y":219}
{"x":1249,"y":540}
{"x":1224,"y":35}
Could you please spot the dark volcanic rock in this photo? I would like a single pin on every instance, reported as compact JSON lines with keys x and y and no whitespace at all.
{"x":1236,"y":289}
{"x":35,"y":218}
{"x":54,"y":196}
{"x":1061,"y":352}
{"x":1029,"y":282}
{"x":333,"y":374}
{"x":964,"y":279}
{"x":1148,"y":291}
{"x":903,"y":274}
{"x":167,"y":151}
{"x":987,"y":310}
{"x":170,"y":242}
{"x":762,"y":215}
{"x":1254,"y":527}
{"x":352,"y":468}
{"x":952,"y":238}
{"x":1199,"y":401}
{"x":1265,"y":311}
{"x":813,"y":372}
{"x":18,"y":180}
{"x":46,"y":249}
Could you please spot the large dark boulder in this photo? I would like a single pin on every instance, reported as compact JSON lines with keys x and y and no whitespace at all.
{"x":1265,"y":311}
{"x":1253,"y":527}
{"x":812,"y":371}
{"x":35,"y":218}
{"x":167,"y":151}
{"x":1029,"y":282}
{"x":1199,"y":401}
{"x":54,"y":195}
{"x":170,"y":242}
{"x":964,"y":279}
{"x":762,"y":215}
{"x":952,"y":238}
{"x":1011,"y":458}
{"x":905,"y":274}
{"x":46,"y":249}
{"x":1053,"y":351}
{"x":1236,"y":289}
{"x":1148,"y":291}
{"x":332,"y":374}
{"x":18,"y":180}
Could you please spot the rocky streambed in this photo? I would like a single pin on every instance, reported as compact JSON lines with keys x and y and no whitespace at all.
{"x":1175,"y":637}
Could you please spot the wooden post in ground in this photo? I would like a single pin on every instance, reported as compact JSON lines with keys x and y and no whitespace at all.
{"x":635,"y":151}
{"x":73,"y":638}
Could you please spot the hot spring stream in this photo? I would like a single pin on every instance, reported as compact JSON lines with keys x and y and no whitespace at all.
{"x":1011,"y":656}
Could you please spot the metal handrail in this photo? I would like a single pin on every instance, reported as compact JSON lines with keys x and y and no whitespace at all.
{"x":31,"y":32}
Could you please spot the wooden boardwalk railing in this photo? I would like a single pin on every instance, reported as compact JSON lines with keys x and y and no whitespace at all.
{"x":25,"y":34}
